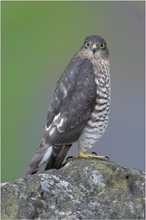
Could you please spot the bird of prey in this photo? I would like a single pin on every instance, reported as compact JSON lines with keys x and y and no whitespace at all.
{"x":79,"y":110}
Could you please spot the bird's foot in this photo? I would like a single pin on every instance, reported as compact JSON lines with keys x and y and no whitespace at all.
{"x":89,"y":155}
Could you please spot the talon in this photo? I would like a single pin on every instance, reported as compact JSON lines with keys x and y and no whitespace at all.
{"x":94,"y":153}
{"x":89,"y":155}
{"x":69,"y":158}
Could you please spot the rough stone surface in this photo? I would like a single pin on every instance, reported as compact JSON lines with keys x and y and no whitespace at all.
{"x":82,"y":189}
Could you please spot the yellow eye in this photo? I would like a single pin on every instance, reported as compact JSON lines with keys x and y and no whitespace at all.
{"x":102,"y":45}
{"x":87,"y":44}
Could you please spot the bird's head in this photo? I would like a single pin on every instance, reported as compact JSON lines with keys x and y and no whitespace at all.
{"x":96,"y":46}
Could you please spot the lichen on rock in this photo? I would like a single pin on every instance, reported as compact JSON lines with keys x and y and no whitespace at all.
{"x":82,"y":189}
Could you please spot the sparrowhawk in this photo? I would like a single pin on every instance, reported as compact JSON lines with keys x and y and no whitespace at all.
{"x":79,"y":111}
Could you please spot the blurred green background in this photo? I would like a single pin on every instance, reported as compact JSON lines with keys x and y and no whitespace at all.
{"x":38,"y":40}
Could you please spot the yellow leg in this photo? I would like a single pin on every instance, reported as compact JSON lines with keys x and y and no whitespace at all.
{"x":89,"y":155}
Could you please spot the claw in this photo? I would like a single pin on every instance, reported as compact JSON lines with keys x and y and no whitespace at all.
{"x":94,"y":153}
{"x":69,"y":158}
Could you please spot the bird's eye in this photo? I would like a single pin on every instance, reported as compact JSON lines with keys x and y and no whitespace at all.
{"x":102,"y":45}
{"x":87,"y":44}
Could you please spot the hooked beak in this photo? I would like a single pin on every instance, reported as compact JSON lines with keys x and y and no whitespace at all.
{"x":94,"y":48}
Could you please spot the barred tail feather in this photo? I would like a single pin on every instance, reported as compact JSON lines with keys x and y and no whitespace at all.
{"x":42,"y":156}
{"x":57,"y":156}
{"x":50,"y":156}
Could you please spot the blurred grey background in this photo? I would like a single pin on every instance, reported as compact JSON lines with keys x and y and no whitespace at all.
{"x":38,"y":40}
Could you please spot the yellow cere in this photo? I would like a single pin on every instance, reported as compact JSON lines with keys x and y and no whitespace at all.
{"x":94,"y":46}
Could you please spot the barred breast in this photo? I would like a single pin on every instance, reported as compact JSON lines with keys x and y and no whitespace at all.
{"x":99,"y":117}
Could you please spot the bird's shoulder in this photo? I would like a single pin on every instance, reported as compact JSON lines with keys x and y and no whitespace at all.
{"x":76,"y":66}
{"x":78,"y":74}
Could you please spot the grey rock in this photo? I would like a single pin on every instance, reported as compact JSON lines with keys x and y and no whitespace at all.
{"x":82,"y":189}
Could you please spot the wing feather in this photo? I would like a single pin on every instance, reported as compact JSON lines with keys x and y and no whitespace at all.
{"x":73,"y":101}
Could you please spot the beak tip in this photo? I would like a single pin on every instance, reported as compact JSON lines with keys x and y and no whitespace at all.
{"x":93,"y":50}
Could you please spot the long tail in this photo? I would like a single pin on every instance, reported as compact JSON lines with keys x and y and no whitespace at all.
{"x":51,"y":156}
